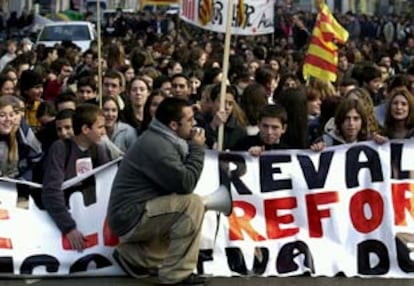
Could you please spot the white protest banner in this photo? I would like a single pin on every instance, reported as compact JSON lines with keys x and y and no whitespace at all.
{"x":347,"y":209}
{"x":31,"y":244}
{"x":259,"y":16}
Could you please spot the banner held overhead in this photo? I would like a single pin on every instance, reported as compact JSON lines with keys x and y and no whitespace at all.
{"x":257,"y":19}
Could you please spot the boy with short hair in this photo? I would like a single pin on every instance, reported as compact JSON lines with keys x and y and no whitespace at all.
{"x":82,"y":154}
{"x":46,"y":114}
{"x":63,"y":123}
{"x":272,"y":125}
{"x":86,"y":90}
{"x":180,"y":84}
{"x":114,"y":85}
{"x":66,"y":100}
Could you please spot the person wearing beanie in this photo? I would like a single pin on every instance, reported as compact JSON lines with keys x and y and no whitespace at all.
{"x":31,"y":89}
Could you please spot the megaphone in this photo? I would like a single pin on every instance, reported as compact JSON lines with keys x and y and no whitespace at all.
{"x":220,"y":200}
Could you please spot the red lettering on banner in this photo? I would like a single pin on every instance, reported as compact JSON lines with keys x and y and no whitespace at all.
{"x":5,"y":243}
{"x":314,"y":214}
{"x":110,"y":239}
{"x":237,"y":224}
{"x":4,"y":214}
{"x":91,"y":240}
{"x":356,"y":210}
{"x":273,"y":220}
{"x":402,"y":200}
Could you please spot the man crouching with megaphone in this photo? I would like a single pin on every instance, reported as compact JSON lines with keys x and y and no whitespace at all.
{"x":152,"y":207}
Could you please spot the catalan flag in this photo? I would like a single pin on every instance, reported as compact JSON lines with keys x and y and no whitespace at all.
{"x":241,"y":14}
{"x":321,"y":59}
{"x":205,"y":11}
{"x":188,"y":9}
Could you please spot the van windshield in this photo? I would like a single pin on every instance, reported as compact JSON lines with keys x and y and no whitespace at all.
{"x":65,"y":33}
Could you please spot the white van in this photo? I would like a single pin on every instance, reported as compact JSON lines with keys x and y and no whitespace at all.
{"x":81,"y":33}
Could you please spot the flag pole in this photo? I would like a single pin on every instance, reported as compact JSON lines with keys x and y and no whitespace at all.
{"x":99,"y":41}
{"x":226,"y":57}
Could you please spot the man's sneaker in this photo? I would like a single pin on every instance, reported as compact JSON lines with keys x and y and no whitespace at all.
{"x":193,"y":279}
{"x":132,"y":270}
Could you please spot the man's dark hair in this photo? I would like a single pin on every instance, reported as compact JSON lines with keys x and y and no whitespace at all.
{"x":181,"y":75}
{"x":87,"y":81}
{"x":170,"y":109}
{"x":46,"y":108}
{"x":57,"y":65}
{"x":393,"y":51}
{"x":197,"y":73}
{"x":215,"y":92}
{"x":159,"y":81}
{"x":43,"y":52}
{"x":368,"y":73}
{"x":85,"y":114}
{"x":65,"y":114}
{"x":347,"y":81}
{"x":88,"y":52}
{"x":399,"y":80}
{"x":114,"y":74}
{"x":210,"y":74}
{"x":264,"y":75}
{"x":66,"y":96}
{"x":260,"y":52}
{"x":274,"y":111}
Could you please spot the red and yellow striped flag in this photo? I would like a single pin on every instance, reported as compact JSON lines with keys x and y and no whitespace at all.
{"x":241,"y":14}
{"x":321,"y":59}
{"x":205,"y":11}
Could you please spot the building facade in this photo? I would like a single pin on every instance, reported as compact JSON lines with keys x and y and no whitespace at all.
{"x":359,"y":6}
{"x":341,"y":6}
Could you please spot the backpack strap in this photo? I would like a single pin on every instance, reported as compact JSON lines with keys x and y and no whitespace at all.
{"x":93,"y":151}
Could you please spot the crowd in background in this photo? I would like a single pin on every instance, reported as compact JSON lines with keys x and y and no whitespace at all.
{"x":148,"y":57}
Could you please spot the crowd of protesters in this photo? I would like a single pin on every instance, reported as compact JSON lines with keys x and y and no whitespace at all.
{"x":53,"y":118}
{"x":268,"y":105}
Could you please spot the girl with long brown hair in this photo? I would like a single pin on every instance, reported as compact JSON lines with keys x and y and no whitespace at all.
{"x":399,"y":118}
{"x":8,"y":143}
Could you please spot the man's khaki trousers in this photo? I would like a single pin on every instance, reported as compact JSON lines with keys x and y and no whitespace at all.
{"x":167,"y":237}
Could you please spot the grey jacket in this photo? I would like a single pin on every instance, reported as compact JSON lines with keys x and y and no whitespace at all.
{"x":156,"y":165}
{"x":123,"y":136}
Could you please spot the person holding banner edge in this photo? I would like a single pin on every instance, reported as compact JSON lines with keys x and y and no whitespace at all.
{"x":151,"y":207}
{"x":351,"y":126}
{"x":272,"y":124}
{"x":82,"y":154}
